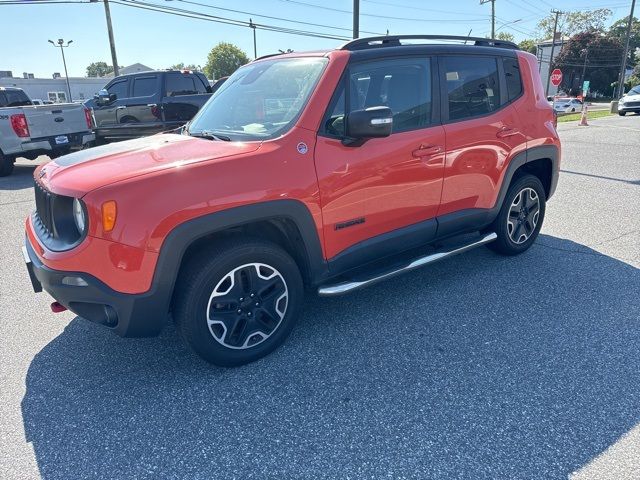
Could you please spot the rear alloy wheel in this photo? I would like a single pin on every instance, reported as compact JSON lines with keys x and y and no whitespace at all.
{"x":238,"y":301}
{"x":523,"y":215}
{"x":520,"y":218}
{"x":622,"y":114}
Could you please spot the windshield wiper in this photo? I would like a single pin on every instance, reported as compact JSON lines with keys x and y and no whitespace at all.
{"x":209,"y":135}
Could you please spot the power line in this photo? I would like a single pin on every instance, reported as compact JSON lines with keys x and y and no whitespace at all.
{"x":273,"y":18}
{"x":412,"y":7}
{"x":386,"y":17}
{"x":224,"y":20}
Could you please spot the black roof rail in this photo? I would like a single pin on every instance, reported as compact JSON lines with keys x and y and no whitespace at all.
{"x":394,"y":41}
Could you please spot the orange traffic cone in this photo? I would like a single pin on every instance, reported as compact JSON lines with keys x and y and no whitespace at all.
{"x":583,"y":118}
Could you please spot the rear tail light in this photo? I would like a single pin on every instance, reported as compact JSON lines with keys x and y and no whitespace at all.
{"x":19,"y":125}
{"x":87,"y":117}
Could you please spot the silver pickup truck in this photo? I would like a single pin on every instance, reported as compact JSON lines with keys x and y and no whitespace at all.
{"x":28,"y":130}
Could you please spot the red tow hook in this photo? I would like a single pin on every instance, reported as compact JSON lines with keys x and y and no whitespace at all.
{"x":57,"y":307}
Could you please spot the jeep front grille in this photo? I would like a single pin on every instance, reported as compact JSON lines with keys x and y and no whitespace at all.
{"x":44,"y":208}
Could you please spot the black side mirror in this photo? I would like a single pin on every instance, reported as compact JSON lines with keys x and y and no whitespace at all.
{"x":373,"y":122}
{"x":103,"y":97}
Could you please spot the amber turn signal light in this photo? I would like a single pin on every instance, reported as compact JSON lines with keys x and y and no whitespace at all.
{"x":109,"y":213}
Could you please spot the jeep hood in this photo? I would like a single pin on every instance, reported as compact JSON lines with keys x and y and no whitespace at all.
{"x":81,"y":172}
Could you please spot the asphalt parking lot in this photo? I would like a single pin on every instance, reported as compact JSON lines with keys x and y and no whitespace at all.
{"x":477,"y":367}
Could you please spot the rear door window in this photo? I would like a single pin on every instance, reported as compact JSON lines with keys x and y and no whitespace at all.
{"x":180,"y":84}
{"x":144,"y":86}
{"x":472,"y":84}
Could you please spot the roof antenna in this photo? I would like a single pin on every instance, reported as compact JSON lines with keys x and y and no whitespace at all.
{"x":468,"y":35}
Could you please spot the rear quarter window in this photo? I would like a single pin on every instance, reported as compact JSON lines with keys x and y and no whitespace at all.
{"x":513,"y":78}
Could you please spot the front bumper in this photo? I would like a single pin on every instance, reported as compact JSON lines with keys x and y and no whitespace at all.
{"x":634,"y":107}
{"x":129,"y":315}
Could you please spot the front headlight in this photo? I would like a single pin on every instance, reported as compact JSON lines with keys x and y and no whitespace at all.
{"x":78,"y":216}
{"x":621,"y":101}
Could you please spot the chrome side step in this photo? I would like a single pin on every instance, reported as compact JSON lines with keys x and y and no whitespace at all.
{"x":349,"y":286}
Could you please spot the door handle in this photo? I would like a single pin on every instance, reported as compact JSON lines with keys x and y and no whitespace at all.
{"x":152,"y":104}
{"x":121,"y":107}
{"x":507,"y":132}
{"x":426,"y":151}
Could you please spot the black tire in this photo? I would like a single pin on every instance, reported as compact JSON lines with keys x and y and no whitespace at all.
{"x":6,"y":165}
{"x":526,"y":224}
{"x":212,"y":270}
{"x":622,"y":114}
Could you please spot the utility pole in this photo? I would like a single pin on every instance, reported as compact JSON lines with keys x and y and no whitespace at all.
{"x":356,"y":18}
{"x":584,"y":68}
{"x":112,"y":43}
{"x":64,"y":62}
{"x":557,"y":13}
{"x":255,"y":48}
{"x":626,"y":51}
{"x":493,"y":16}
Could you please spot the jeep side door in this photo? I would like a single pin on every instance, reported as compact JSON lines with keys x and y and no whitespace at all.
{"x":106,"y":114}
{"x":483,"y":134}
{"x":381,"y":197}
{"x":141,"y":108}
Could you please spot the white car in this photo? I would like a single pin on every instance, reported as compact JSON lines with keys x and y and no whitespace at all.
{"x":567,"y":105}
{"x":630,"y":102}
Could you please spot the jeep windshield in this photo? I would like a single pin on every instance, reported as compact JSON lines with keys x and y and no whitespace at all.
{"x":259,"y":101}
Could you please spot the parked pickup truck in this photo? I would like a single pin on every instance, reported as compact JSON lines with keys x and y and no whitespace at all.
{"x":28,"y":130}
{"x":145,"y":103}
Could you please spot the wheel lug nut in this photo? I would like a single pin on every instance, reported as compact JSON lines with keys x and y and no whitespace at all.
{"x":249,"y":314}
{"x":241,"y":299}
{"x":239,"y":311}
{"x":252,"y":295}
{"x":257,"y":304}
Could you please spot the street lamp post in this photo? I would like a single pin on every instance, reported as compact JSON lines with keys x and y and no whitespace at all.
{"x":62,"y":46}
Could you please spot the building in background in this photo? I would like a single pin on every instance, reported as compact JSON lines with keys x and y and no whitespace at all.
{"x":55,"y":89}
{"x":543,"y":53}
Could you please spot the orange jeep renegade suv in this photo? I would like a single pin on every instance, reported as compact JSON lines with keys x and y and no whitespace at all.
{"x":328,"y":171}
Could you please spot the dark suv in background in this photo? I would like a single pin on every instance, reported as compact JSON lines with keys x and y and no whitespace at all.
{"x":145,"y":103}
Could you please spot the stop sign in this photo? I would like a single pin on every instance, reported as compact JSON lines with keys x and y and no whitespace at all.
{"x":556,"y":77}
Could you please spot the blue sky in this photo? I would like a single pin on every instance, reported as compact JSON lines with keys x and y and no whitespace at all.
{"x":160,"y":40}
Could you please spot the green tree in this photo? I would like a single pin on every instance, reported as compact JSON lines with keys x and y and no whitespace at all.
{"x":601,"y":54}
{"x":224,"y":59}
{"x":574,"y":22}
{"x":506,"y":36}
{"x":619,"y":30}
{"x":182,"y":66}
{"x":99,"y":69}
{"x":528,"y":45}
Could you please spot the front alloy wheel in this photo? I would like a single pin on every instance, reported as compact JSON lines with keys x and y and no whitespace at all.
{"x":237,"y":300}
{"x":247,"y":306}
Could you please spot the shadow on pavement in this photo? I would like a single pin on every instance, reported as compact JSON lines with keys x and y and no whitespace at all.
{"x":21,"y":178}
{"x":478,"y":367}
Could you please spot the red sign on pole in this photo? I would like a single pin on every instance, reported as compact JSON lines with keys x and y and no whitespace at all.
{"x":556,"y":77}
